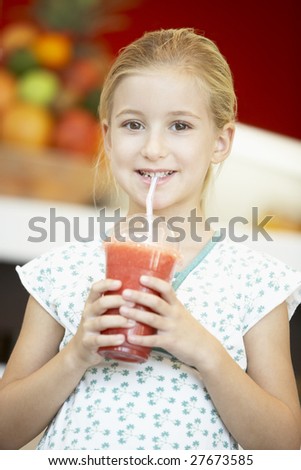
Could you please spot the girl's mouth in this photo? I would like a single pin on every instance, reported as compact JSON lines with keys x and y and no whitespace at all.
{"x":162,"y":175}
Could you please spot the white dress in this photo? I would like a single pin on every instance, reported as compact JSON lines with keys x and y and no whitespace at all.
{"x":163,"y":403}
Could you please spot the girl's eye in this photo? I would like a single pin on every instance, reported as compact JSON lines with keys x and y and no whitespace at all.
{"x":180,"y":126}
{"x":133,"y":125}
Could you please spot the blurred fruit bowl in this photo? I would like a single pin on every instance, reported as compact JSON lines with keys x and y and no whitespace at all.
{"x":52,"y":68}
{"x":45,"y":174}
{"x":50,"y":84}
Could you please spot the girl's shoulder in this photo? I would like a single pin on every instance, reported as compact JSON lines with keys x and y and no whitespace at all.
{"x":261,"y":276}
{"x":63,"y":273}
{"x":66,"y":256}
{"x":246,"y":258}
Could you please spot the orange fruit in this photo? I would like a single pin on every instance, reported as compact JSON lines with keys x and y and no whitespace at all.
{"x":18,"y":35}
{"x":53,"y":50}
{"x":8,"y":89}
{"x":27,"y":124}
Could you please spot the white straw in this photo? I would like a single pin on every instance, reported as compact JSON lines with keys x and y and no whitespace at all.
{"x":149,"y":205}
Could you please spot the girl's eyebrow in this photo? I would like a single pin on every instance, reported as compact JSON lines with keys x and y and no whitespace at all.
{"x":184,"y":113}
{"x":129,"y":111}
{"x":171,"y":113}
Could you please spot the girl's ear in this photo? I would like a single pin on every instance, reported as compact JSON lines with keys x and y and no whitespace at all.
{"x":106,"y":136}
{"x":223,"y":143}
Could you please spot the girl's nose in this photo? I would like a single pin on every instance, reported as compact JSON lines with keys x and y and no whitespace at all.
{"x":154,"y":146}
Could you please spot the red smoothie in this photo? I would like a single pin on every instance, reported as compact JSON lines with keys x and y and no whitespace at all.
{"x":127,"y":262}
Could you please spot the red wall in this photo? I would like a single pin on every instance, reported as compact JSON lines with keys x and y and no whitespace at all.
{"x":260,"y":38}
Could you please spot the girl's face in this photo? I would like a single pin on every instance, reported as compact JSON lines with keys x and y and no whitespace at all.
{"x":161,"y":123}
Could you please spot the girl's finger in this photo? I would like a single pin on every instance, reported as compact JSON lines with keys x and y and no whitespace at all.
{"x":151,"y":301}
{"x":108,"y":321}
{"x":98,"y":288}
{"x":105,"y":302}
{"x":164,"y":288}
{"x":150,"y":341}
{"x":164,"y":294}
{"x":96,"y":341}
{"x":142,"y":316}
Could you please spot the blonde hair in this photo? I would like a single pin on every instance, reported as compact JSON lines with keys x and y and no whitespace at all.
{"x":185,"y":51}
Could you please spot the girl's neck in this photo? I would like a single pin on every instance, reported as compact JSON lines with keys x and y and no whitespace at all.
{"x":197,"y":235}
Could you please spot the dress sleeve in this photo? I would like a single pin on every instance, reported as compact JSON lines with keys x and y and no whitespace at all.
{"x":42,"y":275}
{"x":268,"y":282}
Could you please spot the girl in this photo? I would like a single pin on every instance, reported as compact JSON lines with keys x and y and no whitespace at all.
{"x":220,"y":372}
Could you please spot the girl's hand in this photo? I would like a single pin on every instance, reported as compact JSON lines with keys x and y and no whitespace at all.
{"x":88,"y":337}
{"x":178,"y":332}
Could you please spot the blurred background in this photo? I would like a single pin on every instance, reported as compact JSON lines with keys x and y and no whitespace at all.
{"x":54,"y":56}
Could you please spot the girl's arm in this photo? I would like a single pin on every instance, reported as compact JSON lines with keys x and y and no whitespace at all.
{"x":38,"y":378}
{"x":261,"y":407}
{"x":36,"y":381}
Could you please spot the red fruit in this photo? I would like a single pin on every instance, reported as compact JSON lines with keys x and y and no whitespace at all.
{"x":77,"y":131}
{"x":83,"y":75}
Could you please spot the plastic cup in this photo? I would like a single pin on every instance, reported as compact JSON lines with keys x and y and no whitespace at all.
{"x":127,"y":259}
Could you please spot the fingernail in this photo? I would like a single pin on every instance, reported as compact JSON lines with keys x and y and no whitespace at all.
{"x":131,"y":323}
{"x":144,"y":278}
{"x":120,"y":339}
{"x":124,"y":309}
{"x":132,"y":337}
{"x":127,"y":293}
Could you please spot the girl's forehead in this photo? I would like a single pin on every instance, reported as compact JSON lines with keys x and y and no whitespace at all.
{"x":161,"y":73}
{"x":175,"y":84}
